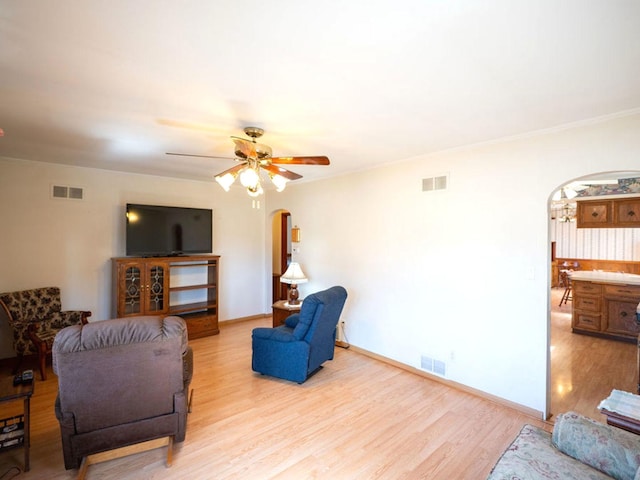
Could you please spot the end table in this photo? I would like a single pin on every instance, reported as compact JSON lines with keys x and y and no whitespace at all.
{"x":622,"y":410}
{"x":10,"y":393}
{"x":281,"y":310}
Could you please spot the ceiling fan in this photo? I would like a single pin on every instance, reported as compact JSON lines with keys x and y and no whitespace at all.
{"x":254,"y":158}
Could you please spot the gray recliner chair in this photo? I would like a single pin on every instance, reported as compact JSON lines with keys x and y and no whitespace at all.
{"x":121,"y":382}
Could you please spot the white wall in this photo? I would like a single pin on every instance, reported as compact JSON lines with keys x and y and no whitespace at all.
{"x":460,"y":275}
{"x":69,"y":243}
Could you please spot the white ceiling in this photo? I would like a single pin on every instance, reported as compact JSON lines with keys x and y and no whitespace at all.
{"x":116,"y":84}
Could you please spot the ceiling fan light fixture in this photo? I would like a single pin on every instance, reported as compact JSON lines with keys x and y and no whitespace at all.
{"x":226,"y":180}
{"x":249,"y":178}
{"x":279,"y":181}
{"x":255,"y":191}
{"x":568,"y":214}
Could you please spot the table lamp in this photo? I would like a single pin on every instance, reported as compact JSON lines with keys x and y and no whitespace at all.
{"x":293,"y":276}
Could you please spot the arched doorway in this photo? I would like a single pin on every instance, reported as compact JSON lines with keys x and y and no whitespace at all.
{"x":584,"y":369}
{"x":281,"y":253}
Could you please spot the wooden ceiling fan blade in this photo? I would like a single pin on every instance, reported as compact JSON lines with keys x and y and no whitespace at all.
{"x":315,"y":160}
{"x":274,"y":169}
{"x":197,"y":155}
{"x":244,"y":148}
{"x":232,"y":170}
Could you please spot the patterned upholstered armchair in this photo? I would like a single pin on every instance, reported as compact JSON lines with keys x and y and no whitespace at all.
{"x":36,"y":317}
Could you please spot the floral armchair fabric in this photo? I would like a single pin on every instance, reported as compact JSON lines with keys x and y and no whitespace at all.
{"x":36,"y":317}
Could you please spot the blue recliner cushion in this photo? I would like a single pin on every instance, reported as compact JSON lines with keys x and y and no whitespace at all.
{"x":292,"y":320}
{"x":278,"y":334}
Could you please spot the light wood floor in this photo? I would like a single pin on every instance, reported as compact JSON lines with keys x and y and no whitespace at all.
{"x":358,"y":418}
{"x":585,"y":369}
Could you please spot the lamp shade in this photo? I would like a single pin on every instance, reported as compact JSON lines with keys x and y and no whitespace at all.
{"x":294,"y":274}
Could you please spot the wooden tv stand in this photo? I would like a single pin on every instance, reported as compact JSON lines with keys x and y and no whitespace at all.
{"x":185,"y":285}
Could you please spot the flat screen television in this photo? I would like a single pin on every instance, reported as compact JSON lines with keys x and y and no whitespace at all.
{"x":156,"y":231}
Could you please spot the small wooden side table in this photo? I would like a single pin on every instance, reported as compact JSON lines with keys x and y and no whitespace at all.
{"x":627,"y":410}
{"x":281,"y":311}
{"x":626,"y":423}
{"x":10,"y":393}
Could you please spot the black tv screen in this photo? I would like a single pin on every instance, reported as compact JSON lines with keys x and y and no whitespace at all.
{"x":154,"y":230}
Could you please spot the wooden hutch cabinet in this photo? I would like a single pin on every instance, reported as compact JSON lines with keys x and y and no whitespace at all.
{"x":186,"y":286}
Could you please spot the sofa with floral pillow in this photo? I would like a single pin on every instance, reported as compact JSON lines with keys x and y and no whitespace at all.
{"x":578,"y":449}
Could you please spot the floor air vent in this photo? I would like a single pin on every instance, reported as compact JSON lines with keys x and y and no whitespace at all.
{"x":433,"y":365}
{"x":61,"y":191}
{"x":435,"y":183}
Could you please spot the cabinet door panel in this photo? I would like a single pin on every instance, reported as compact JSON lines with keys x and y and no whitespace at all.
{"x":594,"y":214}
{"x":132,"y":287}
{"x":156,"y":288}
{"x":621,"y":317}
{"x":627,"y":213}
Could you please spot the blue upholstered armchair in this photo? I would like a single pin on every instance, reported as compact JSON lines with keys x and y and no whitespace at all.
{"x":298,"y":348}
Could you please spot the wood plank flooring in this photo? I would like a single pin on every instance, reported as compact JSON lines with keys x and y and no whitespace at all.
{"x":358,"y":418}
{"x":584,"y":369}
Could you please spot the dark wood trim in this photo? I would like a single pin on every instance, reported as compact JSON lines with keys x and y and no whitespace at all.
{"x":604,"y":265}
{"x":282,"y":289}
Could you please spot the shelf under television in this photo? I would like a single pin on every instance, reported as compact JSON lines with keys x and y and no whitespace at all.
{"x":197,"y":307}
{"x":192,"y":287}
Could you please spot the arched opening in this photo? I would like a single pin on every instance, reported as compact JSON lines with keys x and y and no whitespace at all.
{"x":585,"y":363}
{"x":281,"y":252}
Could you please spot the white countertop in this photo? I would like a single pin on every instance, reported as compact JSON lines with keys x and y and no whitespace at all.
{"x":605,"y":277}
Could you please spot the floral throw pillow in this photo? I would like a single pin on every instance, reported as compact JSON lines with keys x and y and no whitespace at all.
{"x":609,"y":449}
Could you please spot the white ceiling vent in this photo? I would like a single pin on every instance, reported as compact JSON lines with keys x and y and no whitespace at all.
{"x":62,"y":191}
{"x":440,"y":182}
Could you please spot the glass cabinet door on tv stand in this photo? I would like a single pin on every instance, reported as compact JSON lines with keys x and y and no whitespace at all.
{"x":141,"y":286}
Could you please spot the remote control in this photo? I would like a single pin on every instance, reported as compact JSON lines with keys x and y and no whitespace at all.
{"x":27,"y":376}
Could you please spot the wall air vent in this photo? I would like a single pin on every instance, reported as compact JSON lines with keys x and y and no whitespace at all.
{"x":439,"y":182}
{"x":433,"y":365}
{"x":62,"y":191}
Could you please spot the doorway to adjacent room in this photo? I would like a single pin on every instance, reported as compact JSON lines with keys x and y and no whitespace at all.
{"x":584,"y":369}
{"x":281,"y":253}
